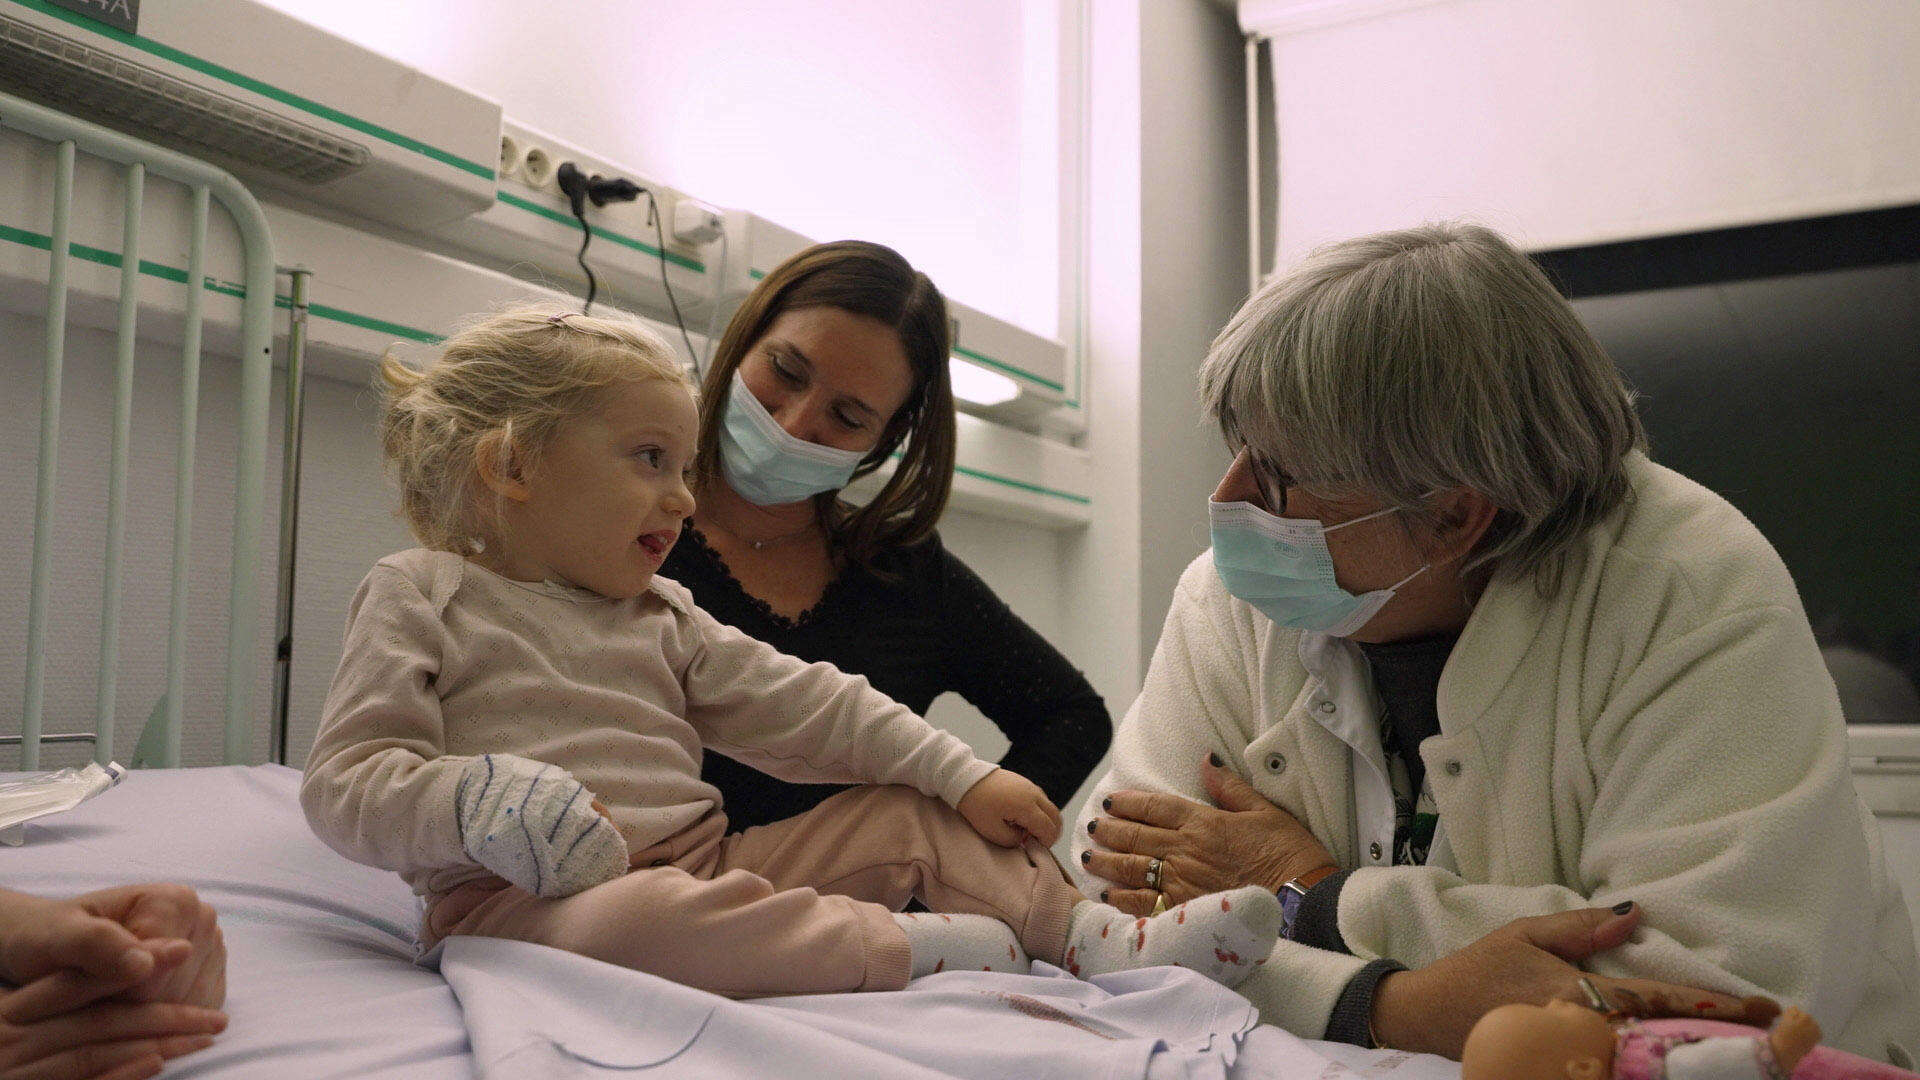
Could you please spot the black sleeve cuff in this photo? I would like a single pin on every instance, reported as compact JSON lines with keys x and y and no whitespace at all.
{"x":1317,"y":923}
{"x":1352,"y":1019}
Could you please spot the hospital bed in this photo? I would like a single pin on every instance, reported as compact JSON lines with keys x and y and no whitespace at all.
{"x":323,"y":979}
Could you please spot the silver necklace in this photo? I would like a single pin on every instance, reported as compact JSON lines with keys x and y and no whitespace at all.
{"x":771,"y":541}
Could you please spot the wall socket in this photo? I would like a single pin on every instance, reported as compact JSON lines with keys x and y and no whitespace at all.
{"x":695,"y":222}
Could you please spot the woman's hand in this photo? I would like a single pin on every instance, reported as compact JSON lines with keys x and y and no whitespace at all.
{"x":155,"y":942}
{"x":108,"y":1040}
{"x":1531,"y":961}
{"x":113,"y":983}
{"x":1007,"y":808}
{"x":1244,"y":840}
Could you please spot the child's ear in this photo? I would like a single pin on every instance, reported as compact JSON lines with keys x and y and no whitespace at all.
{"x":1586,"y":1068}
{"x":499,"y":467}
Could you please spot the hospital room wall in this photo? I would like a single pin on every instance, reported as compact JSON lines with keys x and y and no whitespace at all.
{"x":1166,"y":221}
{"x":1158,"y":289}
{"x":929,"y":127}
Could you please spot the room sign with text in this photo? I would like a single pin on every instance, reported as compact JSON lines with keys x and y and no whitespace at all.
{"x":119,"y":14}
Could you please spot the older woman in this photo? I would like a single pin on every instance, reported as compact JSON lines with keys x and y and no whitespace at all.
{"x":836,"y":362}
{"x":1464,"y":669}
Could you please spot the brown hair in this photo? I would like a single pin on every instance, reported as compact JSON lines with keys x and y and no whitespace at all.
{"x":506,"y":382}
{"x":867,"y":279}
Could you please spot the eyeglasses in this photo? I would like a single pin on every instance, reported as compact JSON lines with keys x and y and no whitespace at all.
{"x":1272,"y":480}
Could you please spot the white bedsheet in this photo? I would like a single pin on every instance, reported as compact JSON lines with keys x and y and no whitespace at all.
{"x":322,"y":981}
{"x":320,"y":973}
{"x":539,"y":1012}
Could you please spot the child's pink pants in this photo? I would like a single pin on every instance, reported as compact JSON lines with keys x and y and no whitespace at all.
{"x":800,"y":906}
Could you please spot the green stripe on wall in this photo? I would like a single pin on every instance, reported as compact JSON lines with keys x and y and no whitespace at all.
{"x":1023,"y":485}
{"x":1012,"y":483}
{"x":1008,"y":368}
{"x":246,"y":82}
{"x":43,"y":242}
{"x":571,"y":222}
{"x":364,"y":322}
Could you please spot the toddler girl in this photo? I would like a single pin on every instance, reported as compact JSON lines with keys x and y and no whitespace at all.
{"x":521,"y":708}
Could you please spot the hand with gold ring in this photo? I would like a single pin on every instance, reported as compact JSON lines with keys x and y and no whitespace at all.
{"x":1154,"y":866}
{"x":1242,"y":839}
{"x":1159,"y":903}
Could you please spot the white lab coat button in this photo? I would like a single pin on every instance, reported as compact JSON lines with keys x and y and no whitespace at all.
{"x":1327,"y":707}
{"x":1453,"y":768}
{"x":1373,"y":851}
{"x":1276,"y":763}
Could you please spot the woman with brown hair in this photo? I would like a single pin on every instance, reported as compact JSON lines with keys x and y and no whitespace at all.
{"x":835,"y":363}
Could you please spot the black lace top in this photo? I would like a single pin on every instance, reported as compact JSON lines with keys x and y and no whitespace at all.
{"x":936,"y":627}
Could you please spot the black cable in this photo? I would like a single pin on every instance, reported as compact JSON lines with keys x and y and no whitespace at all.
{"x":660,"y":248}
{"x":586,"y":237}
{"x":578,"y":188}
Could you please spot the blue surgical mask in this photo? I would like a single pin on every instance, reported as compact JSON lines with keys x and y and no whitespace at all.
{"x":767,"y":465}
{"x":1283,"y":568}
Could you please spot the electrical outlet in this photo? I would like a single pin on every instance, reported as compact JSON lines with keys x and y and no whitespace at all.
{"x":513,"y":157}
{"x":695,"y":222}
{"x":541,"y":170}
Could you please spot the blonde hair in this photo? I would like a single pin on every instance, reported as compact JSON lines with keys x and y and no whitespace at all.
{"x":502,"y":385}
{"x":1396,"y":364}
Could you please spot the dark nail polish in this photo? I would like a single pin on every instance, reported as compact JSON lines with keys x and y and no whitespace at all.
{"x":1086,"y":857}
{"x":1091,"y":824}
{"x":1623,"y":907}
{"x":1107,"y":804}
{"x":1213,"y":759}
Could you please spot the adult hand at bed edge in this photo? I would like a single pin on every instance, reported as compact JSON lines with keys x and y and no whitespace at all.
{"x":1008,"y":808}
{"x":150,"y":942}
{"x":1531,"y":961}
{"x":113,"y":983}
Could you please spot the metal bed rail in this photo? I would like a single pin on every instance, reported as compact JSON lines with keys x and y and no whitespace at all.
{"x":206,"y":184}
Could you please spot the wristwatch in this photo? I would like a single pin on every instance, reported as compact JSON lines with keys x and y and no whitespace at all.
{"x":1294,"y":893}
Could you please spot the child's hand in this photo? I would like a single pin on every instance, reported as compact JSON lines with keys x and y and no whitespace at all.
{"x":1007,"y":808}
{"x":536,"y":826}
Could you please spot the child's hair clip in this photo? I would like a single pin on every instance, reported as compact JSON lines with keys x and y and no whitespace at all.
{"x":560,"y":319}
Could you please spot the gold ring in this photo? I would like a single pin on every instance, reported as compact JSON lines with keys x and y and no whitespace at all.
{"x":1159,"y":903}
{"x":1153,"y":874}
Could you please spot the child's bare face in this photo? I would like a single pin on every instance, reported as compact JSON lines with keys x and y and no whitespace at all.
{"x":607,"y":498}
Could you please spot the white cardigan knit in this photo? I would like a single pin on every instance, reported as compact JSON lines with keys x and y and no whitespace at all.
{"x":1660,"y":730}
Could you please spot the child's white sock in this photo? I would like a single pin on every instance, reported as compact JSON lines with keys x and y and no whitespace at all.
{"x":961,"y":943}
{"x":1224,"y":936}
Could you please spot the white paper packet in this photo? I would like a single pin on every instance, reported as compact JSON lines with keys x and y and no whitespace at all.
{"x":51,"y":793}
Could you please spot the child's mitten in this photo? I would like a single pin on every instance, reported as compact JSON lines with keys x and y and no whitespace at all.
{"x":535,"y":825}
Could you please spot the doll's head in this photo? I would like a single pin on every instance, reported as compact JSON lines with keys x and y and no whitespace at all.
{"x":1560,"y":1040}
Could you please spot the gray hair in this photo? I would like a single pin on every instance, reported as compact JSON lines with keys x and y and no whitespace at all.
{"x":1396,"y":364}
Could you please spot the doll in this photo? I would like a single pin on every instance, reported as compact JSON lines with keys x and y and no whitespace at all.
{"x":1564,"y":1040}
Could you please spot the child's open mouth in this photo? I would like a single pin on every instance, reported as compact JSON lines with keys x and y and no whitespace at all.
{"x":658,"y":543}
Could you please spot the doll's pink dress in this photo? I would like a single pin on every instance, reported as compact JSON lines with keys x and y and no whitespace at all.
{"x":1645,"y":1046}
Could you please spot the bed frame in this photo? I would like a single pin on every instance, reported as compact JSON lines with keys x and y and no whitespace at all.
{"x":160,"y":742}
